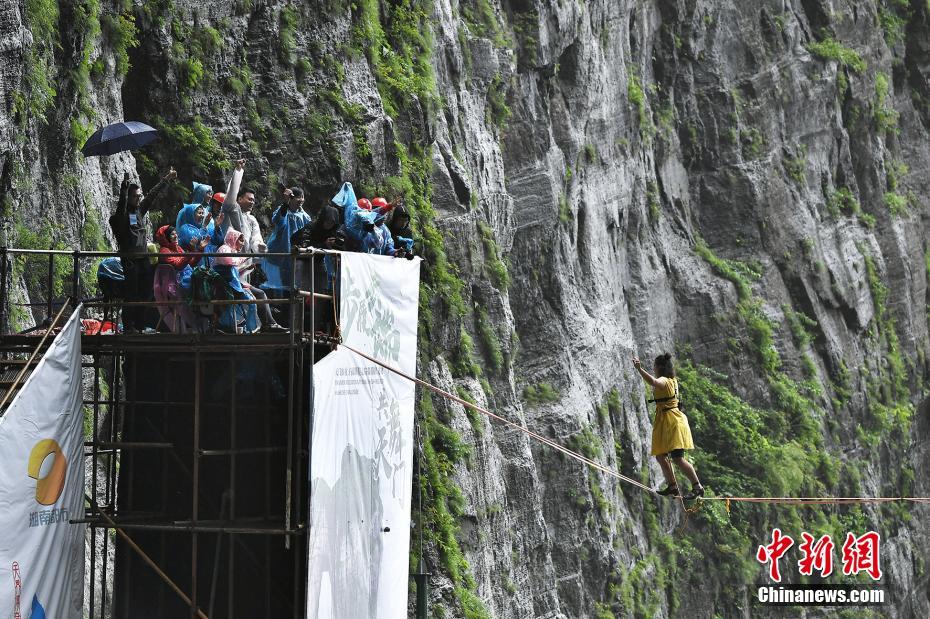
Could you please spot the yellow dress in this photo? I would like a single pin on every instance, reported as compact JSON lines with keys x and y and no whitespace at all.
{"x":670,"y":430}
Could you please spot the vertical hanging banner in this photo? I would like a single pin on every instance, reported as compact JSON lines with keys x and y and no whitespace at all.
{"x":361,"y":467}
{"x":42,"y":487}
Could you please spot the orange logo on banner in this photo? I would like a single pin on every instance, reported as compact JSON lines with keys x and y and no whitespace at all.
{"x":48,"y":488}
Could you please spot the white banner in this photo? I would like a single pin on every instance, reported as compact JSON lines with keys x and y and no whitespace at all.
{"x":42,"y":486}
{"x":361,"y":467}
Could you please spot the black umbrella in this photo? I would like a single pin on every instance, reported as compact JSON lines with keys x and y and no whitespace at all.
{"x":118,"y":137}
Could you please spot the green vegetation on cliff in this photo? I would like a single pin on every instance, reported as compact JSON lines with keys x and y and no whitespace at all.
{"x":893,"y":16}
{"x":496,"y":267}
{"x":887,"y":389}
{"x":637,"y":98}
{"x":442,"y":450}
{"x":398,"y":44}
{"x":885,"y":116}
{"x":122,"y":34}
{"x":399,"y":50}
{"x":37,"y":92}
{"x":830,"y":49}
{"x":797,"y":401}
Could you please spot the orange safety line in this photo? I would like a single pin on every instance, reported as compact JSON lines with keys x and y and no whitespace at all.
{"x":612,"y":473}
{"x":823,"y":500}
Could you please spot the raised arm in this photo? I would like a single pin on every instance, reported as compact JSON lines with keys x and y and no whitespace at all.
{"x":123,"y":196}
{"x":160,"y":186}
{"x":649,"y":378}
{"x":278,"y":214}
{"x":231,"y":204}
{"x":218,"y":236}
{"x":281,"y":212}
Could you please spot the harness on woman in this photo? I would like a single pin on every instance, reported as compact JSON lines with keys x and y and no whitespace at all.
{"x":668,"y":399}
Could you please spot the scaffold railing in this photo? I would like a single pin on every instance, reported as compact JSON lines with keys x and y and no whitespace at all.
{"x":72,"y":274}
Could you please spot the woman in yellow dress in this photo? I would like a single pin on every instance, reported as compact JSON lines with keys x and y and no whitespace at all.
{"x":671,"y":435}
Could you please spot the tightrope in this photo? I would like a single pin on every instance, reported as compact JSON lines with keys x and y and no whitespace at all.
{"x":818,"y":500}
{"x":781,"y":500}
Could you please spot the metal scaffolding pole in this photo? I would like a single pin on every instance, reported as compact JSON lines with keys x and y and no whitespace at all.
{"x":196,"y":481}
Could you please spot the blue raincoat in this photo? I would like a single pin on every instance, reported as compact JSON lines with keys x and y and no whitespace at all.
{"x":184,"y":279}
{"x":199,"y":192}
{"x":286,"y":223}
{"x":216,"y":241}
{"x":408,"y":243}
{"x":185,"y":225}
{"x":379,"y":240}
{"x":110,"y":278}
{"x":354,"y":218}
{"x":112,"y":269}
{"x":233,"y":316}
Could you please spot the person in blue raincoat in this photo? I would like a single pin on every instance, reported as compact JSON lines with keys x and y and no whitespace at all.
{"x":365,"y":230}
{"x":377,"y":239}
{"x":194,"y":218}
{"x":354,"y":218}
{"x":200,"y":196}
{"x":110,"y":278}
{"x":288,"y":219}
{"x":216,"y":241}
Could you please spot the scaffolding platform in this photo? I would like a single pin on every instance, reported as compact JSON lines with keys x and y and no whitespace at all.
{"x":196,"y":457}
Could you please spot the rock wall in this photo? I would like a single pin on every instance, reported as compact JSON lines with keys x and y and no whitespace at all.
{"x":743,"y":183}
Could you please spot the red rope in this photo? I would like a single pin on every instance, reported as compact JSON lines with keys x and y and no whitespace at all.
{"x":823,"y":500}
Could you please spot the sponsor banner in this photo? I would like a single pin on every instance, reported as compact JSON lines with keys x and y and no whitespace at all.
{"x":42,"y":487}
{"x":378,"y":308}
{"x":361,"y":468}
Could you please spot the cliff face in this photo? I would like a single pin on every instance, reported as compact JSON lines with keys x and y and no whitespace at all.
{"x":744,"y":183}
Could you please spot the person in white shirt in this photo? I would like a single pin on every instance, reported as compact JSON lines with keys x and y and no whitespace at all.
{"x":251,"y":232}
{"x":237,"y":206}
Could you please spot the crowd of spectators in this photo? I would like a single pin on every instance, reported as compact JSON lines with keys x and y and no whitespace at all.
{"x":183,"y":277}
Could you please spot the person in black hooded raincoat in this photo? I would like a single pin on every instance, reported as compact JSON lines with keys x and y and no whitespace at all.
{"x":128,"y":222}
{"x":398,"y":222}
{"x":326,"y":232}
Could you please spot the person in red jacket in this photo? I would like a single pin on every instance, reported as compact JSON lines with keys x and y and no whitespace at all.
{"x":177,"y":317}
{"x":167,"y":239}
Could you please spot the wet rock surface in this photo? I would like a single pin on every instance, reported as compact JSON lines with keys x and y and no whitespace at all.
{"x":590,"y":148}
